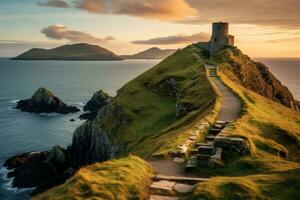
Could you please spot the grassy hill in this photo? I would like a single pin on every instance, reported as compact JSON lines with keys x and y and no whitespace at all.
{"x":152,"y":53}
{"x":146,"y":123}
{"x":157,"y":106}
{"x":122,"y":179}
{"x":272,"y":170}
{"x":81,"y":51}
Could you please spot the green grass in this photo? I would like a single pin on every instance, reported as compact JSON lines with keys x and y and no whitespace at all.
{"x":280,"y":186}
{"x":272,"y":169}
{"x":127,"y":178}
{"x":152,"y":128}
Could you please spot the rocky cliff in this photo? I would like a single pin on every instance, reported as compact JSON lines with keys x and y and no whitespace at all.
{"x":254,"y":76}
{"x":142,"y":117}
{"x":44,"y":101}
{"x":98,"y":100}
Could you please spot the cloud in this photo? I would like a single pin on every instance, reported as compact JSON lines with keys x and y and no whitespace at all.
{"x":279,"y":13}
{"x":168,"y":10}
{"x":59,"y":32}
{"x":175,"y":39}
{"x":55,"y":3}
{"x":295,"y":40}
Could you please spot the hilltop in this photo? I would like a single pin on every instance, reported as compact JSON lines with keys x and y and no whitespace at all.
{"x":132,"y":124}
{"x":152,"y":53}
{"x":81,"y":51}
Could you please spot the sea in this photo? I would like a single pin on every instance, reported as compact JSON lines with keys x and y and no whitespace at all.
{"x":74,"y":82}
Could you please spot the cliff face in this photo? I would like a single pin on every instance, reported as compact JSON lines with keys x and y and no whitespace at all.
{"x":254,"y":76}
{"x":98,"y":100}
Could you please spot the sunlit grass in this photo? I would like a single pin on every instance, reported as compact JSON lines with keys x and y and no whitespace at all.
{"x":126,"y":178}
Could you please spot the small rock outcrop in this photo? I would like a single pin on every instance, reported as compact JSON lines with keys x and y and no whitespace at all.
{"x":98,"y":100}
{"x":44,"y":101}
{"x":40,"y":170}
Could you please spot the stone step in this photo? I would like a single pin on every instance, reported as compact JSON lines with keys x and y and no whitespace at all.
{"x":180,"y":188}
{"x":190,"y":165}
{"x":220,"y":126}
{"x":162,"y":186}
{"x":214,"y":131}
{"x":221,"y":122}
{"x":203,"y":144}
{"x":206,"y":150}
{"x":218,"y":154}
{"x":203,"y":159}
{"x":159,"y":197}
{"x":210,"y":137}
{"x":181,"y":179}
{"x":178,"y":160}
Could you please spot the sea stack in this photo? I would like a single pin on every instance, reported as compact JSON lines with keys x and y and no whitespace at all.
{"x":98,"y":100}
{"x":44,"y":101}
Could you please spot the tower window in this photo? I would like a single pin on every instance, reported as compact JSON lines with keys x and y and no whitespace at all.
{"x":216,"y":39}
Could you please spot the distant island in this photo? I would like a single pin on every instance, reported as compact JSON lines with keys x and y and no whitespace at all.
{"x":81,"y":51}
{"x":152,"y":53}
{"x":85,"y":51}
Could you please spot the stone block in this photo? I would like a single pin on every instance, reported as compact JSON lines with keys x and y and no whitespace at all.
{"x":190,"y":165}
{"x":221,"y":122}
{"x":219,"y":126}
{"x":210,"y":137}
{"x":218,"y":154}
{"x":178,"y":160}
{"x":183,"y":188}
{"x":159,"y":197}
{"x":203,"y":144}
{"x":206,"y":150}
{"x":163,"y":185}
{"x":236,"y":141}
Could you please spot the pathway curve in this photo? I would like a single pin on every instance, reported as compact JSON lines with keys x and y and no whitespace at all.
{"x":163,"y":188}
{"x":231,"y":107}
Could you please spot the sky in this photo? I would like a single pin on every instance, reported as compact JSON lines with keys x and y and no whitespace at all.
{"x":262,"y":28}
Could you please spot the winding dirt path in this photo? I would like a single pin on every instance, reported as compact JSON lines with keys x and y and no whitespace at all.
{"x":231,"y":107}
{"x":230,"y":111}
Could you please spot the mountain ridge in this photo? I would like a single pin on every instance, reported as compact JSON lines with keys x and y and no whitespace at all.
{"x":151,"y":53}
{"x":79,"y":51}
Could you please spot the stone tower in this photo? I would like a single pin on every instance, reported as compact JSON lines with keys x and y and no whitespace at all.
{"x":220,"y":38}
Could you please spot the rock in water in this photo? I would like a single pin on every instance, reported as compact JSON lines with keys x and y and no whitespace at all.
{"x":44,"y":101}
{"x":98,"y":100}
{"x":40,"y":170}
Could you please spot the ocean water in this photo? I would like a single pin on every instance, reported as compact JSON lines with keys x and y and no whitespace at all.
{"x":74,"y":82}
